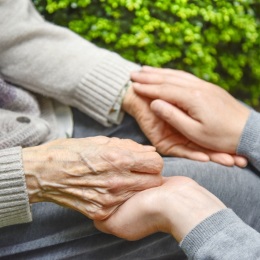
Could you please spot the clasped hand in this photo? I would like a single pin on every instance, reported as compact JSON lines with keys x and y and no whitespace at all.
{"x":176,"y":207}
{"x":185,"y":116}
{"x":91,"y":175}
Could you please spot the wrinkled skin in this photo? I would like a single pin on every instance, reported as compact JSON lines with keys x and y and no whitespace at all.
{"x":91,"y":175}
{"x":176,"y":208}
{"x":174,"y":137}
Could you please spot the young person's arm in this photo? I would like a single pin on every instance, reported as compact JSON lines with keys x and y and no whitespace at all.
{"x":197,"y":219}
{"x":222,"y":236}
{"x":249,"y":144}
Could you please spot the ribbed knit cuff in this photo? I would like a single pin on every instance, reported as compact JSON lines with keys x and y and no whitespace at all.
{"x":98,"y":91}
{"x":204,"y":231}
{"x":249,"y":145}
{"x":14,"y":201}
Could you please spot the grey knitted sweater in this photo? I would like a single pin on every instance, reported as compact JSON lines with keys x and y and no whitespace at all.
{"x":223,"y":236}
{"x":55,"y":63}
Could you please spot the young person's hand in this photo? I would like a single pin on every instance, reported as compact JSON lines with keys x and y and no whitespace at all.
{"x":203,"y":112}
{"x":176,"y":207}
{"x":91,"y":175}
{"x":167,"y":139}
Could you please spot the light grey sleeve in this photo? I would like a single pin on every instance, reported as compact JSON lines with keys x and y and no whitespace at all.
{"x":249,"y":145}
{"x":57,"y":63}
{"x":222,"y":236}
{"x":14,"y":201}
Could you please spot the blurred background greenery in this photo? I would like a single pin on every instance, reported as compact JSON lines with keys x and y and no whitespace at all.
{"x":218,"y":41}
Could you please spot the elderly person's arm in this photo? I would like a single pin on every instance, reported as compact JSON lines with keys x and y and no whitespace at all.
{"x":91,"y":175}
{"x":57,"y":63}
{"x":198,"y":220}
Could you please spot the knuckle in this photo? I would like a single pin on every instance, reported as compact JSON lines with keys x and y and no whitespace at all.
{"x":158,"y":161}
{"x":98,"y":139}
{"x":108,"y":200}
{"x":101,"y":214}
{"x":159,"y":78}
{"x":120,"y":159}
{"x":116,"y":183}
{"x":167,"y":114}
{"x":115,"y":140}
{"x":129,"y":141}
{"x":125,"y":161}
{"x":163,"y":91}
{"x":111,"y":156}
{"x":196,"y":93}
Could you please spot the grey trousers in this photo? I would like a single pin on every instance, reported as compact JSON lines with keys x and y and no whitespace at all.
{"x":61,"y":233}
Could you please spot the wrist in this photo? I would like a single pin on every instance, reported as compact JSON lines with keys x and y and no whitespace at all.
{"x":128,"y":100}
{"x":249,"y":139}
{"x":185,"y":206}
{"x":116,"y":112}
{"x":31,"y":172}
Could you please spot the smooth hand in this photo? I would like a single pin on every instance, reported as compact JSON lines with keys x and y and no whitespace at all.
{"x":165,"y":137}
{"x":91,"y":175}
{"x":204,"y":113}
{"x":176,"y":207}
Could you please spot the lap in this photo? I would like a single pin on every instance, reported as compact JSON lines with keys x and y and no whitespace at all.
{"x":57,"y":232}
{"x":237,"y":188}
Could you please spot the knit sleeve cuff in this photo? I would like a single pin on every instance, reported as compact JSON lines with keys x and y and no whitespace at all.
{"x":249,"y":145}
{"x":99,"y":94}
{"x":14,"y":201}
{"x":207,"y":229}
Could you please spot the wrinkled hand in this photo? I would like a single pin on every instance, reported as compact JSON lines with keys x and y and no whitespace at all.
{"x":91,"y":175}
{"x":176,"y":207}
{"x":166,"y":138}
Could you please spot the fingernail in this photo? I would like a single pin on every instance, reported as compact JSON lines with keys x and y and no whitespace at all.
{"x":241,"y":162}
{"x":157,"y":106}
{"x":244,"y":164}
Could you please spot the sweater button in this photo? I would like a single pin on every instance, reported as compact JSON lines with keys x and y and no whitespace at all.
{"x":23,"y":119}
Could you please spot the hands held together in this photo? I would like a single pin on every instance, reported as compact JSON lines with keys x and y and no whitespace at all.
{"x":118,"y":183}
{"x":185,"y":116}
{"x":175,"y":207}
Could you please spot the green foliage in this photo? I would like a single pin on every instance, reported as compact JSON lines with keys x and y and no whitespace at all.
{"x":218,"y":41}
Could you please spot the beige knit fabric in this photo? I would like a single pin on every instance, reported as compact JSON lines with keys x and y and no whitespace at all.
{"x":14,"y":203}
{"x":53,"y":62}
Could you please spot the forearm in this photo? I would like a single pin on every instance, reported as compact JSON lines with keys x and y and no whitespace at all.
{"x":14,"y":201}
{"x":249,"y":145}
{"x":222,"y":236}
{"x":56,"y":62}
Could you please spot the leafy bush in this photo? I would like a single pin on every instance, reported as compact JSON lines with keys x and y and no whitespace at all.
{"x":218,"y":41}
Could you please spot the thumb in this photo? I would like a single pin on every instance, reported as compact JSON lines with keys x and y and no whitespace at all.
{"x":174,"y":117}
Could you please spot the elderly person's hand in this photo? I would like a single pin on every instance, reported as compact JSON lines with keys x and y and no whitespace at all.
{"x":91,"y":175}
{"x":176,"y":207}
{"x":167,"y":126}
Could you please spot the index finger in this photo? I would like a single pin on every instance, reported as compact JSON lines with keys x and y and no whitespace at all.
{"x":150,"y":75}
{"x":170,"y":93}
{"x":131,"y":145}
{"x":150,"y":162}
